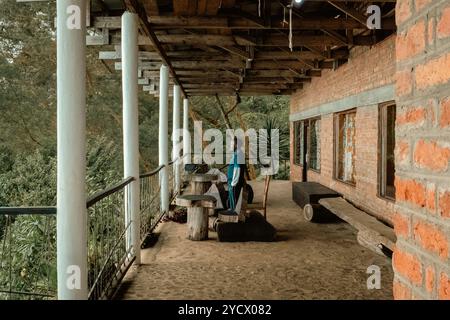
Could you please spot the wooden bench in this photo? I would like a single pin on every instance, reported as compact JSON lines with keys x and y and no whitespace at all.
{"x":372,"y":233}
{"x":197,"y":214}
{"x":307,"y":196}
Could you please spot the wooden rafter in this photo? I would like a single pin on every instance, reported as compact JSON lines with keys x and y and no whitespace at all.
{"x":236,"y":46}
{"x":135,"y":6}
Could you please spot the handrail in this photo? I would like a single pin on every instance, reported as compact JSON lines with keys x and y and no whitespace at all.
{"x":27,"y":210}
{"x":152,"y":173}
{"x":158,"y":169}
{"x":51,"y":210}
{"x":104,"y":193}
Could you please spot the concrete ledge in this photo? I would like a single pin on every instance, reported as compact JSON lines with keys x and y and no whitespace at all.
{"x":363,"y":99}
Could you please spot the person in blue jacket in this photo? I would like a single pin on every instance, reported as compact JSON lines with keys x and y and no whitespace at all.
{"x":235,"y":176}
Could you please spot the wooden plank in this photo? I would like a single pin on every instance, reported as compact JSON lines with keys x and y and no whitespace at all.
{"x":259,"y":65}
{"x":185,"y":7}
{"x":237,"y":51}
{"x":202,"y":65}
{"x":239,"y":23}
{"x":360,"y":220}
{"x":226,"y":4}
{"x":274,"y":40}
{"x":151,"y":7}
{"x":273,"y":73}
{"x":208,"y":7}
{"x":350,"y":11}
{"x":116,"y":55}
{"x":142,"y":65}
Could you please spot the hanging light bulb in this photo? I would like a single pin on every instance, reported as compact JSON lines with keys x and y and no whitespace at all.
{"x":298,"y":1}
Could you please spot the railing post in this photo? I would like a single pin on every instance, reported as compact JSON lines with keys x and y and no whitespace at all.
{"x":176,"y":137}
{"x":164,"y":137}
{"x":186,"y":134}
{"x":131,"y":128}
{"x":71,"y":154}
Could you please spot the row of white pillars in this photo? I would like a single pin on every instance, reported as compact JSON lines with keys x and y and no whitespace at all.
{"x":71,"y":121}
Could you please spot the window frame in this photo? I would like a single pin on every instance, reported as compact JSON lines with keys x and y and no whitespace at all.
{"x":318,"y":118}
{"x":382,"y":139}
{"x":336,"y":145}
{"x":297,"y":127}
{"x":306,"y":149}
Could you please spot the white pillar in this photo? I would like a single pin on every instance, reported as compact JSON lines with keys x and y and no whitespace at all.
{"x":71,"y":130}
{"x":176,"y":126}
{"x":186,"y":134}
{"x":131,"y":128}
{"x":164,"y":136}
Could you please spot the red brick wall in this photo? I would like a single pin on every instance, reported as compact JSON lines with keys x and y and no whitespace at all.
{"x":422,"y":220}
{"x":367,"y":68}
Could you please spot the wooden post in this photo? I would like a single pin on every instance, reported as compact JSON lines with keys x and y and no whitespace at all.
{"x":197,"y":222}
{"x":197,"y":214}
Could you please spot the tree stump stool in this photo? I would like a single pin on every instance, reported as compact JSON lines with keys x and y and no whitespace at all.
{"x":197,"y":214}
{"x":200,"y":183}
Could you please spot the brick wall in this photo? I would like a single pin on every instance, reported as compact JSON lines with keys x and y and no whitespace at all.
{"x":422,"y":220}
{"x":367,"y":68}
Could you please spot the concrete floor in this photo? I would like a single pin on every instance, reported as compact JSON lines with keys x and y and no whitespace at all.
{"x":308,"y":261}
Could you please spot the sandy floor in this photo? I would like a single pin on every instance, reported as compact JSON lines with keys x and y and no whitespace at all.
{"x":308,"y":261}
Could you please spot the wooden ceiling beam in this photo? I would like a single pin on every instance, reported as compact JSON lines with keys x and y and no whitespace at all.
{"x":350,"y":11}
{"x":288,"y":55}
{"x":185,"y":7}
{"x":136,"y":7}
{"x":223,"y":22}
{"x":291,"y":64}
{"x":237,"y":51}
{"x":151,"y":7}
{"x":274,"y":40}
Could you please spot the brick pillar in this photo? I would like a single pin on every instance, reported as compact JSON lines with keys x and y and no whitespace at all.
{"x":422,"y":220}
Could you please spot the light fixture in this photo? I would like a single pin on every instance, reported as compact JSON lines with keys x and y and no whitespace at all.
{"x":298,"y":1}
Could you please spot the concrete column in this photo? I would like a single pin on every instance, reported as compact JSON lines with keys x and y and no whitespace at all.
{"x":164,"y":136}
{"x":186,"y":135}
{"x":71,"y":130}
{"x":131,"y":128}
{"x":176,"y":126}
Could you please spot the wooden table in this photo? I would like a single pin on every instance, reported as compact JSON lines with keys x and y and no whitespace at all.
{"x":197,"y":214}
{"x":201,"y":182}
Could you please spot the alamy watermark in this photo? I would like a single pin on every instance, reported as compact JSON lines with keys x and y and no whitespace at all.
{"x":374,"y":280}
{"x":374,"y":18}
{"x":251,"y":146}
{"x":73,"y":280}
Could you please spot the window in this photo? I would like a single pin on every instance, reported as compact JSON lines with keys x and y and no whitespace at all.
{"x":314,"y":144}
{"x":344,"y":146}
{"x":298,"y":143}
{"x":311,"y":129}
{"x":386,"y":161}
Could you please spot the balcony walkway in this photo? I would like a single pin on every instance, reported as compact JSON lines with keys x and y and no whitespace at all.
{"x":308,"y":261}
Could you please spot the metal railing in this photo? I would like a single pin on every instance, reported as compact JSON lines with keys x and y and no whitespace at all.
{"x":28,"y":253}
{"x":150,"y":202}
{"x":28,"y":240}
{"x":109,"y":253}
